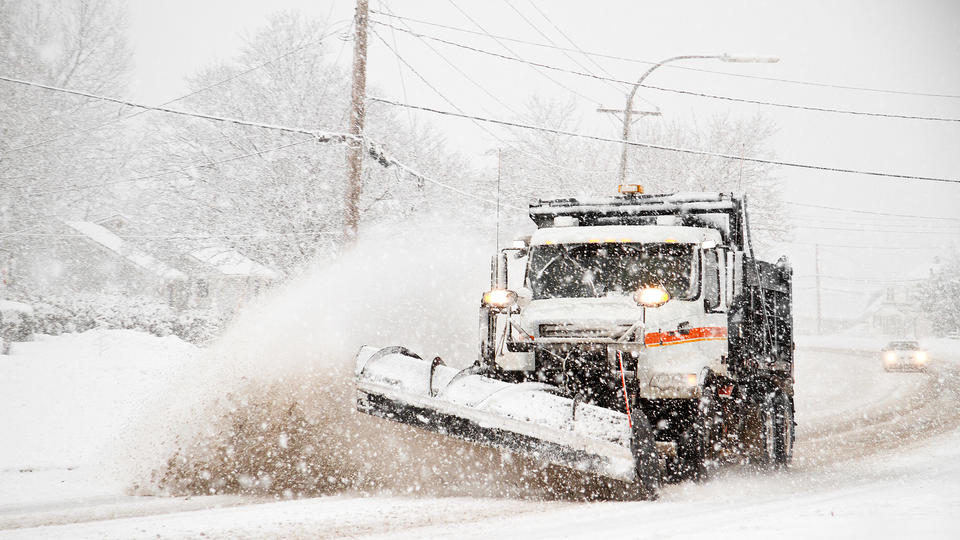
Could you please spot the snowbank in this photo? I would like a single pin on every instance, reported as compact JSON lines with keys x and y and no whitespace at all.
{"x":67,"y":399}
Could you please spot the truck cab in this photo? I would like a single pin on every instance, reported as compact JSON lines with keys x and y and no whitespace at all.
{"x":649,"y":301}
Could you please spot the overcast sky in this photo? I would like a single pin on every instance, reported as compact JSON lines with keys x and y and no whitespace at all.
{"x":905,"y":46}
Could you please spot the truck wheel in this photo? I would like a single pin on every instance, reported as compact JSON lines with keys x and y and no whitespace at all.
{"x":695,"y":448}
{"x":783,"y":424}
{"x":765,"y":454}
{"x":775,"y":441}
{"x":646,"y":458}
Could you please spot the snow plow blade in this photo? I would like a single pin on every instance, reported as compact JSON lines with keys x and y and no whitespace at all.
{"x":525,"y":418}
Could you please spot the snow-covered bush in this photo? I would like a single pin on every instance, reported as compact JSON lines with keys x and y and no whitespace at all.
{"x":56,"y":315}
{"x":16,"y":323}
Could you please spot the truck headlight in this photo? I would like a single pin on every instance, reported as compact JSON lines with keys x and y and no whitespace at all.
{"x":499,"y":298}
{"x":651,"y":296}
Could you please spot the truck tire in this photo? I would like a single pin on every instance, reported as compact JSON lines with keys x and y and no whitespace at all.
{"x":765,"y":449}
{"x":646,"y":458}
{"x":784,"y":427}
{"x":695,"y":447}
{"x":776,"y":434}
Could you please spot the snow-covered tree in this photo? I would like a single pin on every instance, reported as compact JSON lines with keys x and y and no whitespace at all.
{"x":282,"y":201}
{"x":47,"y":149}
{"x":665,"y":171}
{"x":541,"y":164}
{"x":940,"y":296}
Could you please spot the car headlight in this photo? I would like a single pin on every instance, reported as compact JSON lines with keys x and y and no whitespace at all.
{"x":920,"y":357}
{"x":499,"y":298}
{"x":890,"y":357}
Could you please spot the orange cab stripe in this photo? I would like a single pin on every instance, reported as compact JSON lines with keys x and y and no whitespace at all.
{"x":706,"y":333}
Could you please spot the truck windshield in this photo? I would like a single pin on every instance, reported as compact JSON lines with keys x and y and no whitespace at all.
{"x":612,"y":269}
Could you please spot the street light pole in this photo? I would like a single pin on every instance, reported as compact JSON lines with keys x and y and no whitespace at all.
{"x":628,"y":110}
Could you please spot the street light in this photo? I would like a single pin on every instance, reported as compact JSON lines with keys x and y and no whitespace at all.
{"x":628,"y":112}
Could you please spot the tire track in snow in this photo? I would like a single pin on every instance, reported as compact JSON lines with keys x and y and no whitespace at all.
{"x":921,"y":406}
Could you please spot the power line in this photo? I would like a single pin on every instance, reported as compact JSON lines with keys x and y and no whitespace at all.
{"x":893,"y":223}
{"x":861,"y":279}
{"x":403,"y":82}
{"x":858,"y":292}
{"x":371,"y":149}
{"x":801,"y":107}
{"x":508,"y":49}
{"x":875,"y":213}
{"x":191,"y":94}
{"x":847,"y":220}
{"x":673,"y":90}
{"x":321,"y":136}
{"x":463,"y":73}
{"x":571,"y":42}
{"x":436,"y":182}
{"x":867,"y":229}
{"x":667,"y":148}
{"x":686,"y":68}
{"x":545,"y":36}
{"x":183,"y":236}
{"x":487,"y":92}
{"x":862,"y":246}
{"x":452,"y":104}
{"x":164,"y":173}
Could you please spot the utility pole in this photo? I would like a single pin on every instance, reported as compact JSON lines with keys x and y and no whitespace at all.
{"x":355,"y":145}
{"x":816,"y":262}
{"x":628,"y":115}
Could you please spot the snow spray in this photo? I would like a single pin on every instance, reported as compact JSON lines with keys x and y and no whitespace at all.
{"x":270,"y":408}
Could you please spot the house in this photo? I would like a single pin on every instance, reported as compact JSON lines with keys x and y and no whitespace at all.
{"x":897,"y":310}
{"x":223,"y":279}
{"x":103,"y":257}
{"x":74,"y":256}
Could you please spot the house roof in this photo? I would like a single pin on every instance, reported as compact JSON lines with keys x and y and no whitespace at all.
{"x":926,"y":270}
{"x":879,"y":305}
{"x":230,"y":263}
{"x":114,"y":243}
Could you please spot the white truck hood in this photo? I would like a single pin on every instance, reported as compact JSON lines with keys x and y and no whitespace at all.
{"x":607,"y":311}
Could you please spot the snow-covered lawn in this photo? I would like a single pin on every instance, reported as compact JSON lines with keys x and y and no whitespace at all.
{"x":68,"y":402}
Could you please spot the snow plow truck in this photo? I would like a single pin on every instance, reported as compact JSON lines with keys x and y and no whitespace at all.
{"x":634,"y":337}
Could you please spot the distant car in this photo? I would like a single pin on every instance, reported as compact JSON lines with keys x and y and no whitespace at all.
{"x":904,"y":356}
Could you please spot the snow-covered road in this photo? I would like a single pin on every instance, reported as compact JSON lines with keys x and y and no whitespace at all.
{"x":878,"y":456}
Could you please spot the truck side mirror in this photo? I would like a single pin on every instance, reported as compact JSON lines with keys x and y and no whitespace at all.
{"x":711,"y":281}
{"x":730,"y":263}
{"x":736,"y":277}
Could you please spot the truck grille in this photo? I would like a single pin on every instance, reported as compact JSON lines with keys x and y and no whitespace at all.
{"x":572,"y":331}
